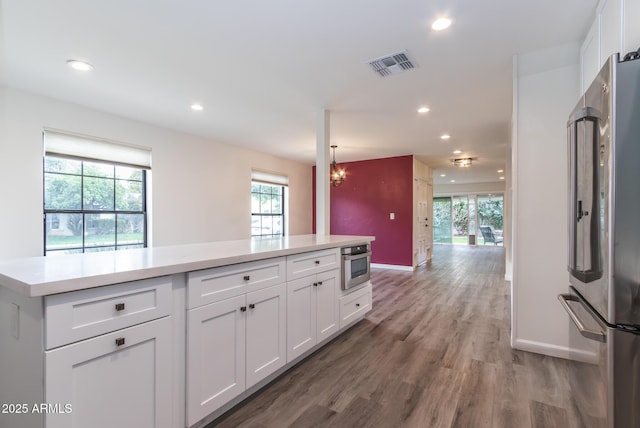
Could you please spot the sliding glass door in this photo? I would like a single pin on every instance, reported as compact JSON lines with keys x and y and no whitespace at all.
{"x":461,"y":219}
{"x":491,"y":218}
{"x":442,"y":220}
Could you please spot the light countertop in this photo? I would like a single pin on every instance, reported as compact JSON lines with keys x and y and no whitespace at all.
{"x":40,"y":276}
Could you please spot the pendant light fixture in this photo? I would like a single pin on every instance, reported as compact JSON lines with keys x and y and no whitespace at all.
{"x":337,"y":174}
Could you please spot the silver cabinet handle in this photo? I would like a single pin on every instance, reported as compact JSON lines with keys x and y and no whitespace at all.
{"x":597,"y":335}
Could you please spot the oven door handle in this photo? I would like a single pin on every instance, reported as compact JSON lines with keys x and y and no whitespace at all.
{"x":356,"y":256}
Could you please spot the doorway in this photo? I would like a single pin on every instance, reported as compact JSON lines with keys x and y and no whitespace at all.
{"x":458,"y":219}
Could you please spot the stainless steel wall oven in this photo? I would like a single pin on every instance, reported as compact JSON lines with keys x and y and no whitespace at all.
{"x":356,"y":266}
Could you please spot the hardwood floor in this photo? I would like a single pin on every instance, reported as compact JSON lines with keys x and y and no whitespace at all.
{"x":433,"y":352}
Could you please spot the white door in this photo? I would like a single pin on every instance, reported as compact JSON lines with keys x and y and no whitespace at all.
{"x":422,"y":222}
{"x":130,"y":369}
{"x":266,"y":332}
{"x":327,"y":304}
{"x":301,"y":316}
{"x":215,"y":356}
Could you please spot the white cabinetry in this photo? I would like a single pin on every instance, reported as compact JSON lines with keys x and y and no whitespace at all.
{"x":312,"y":311}
{"x":237,"y":341}
{"x":354,"y":305}
{"x":110,"y":345}
{"x":614,"y":30}
{"x":266,"y":332}
{"x":305,"y":264}
{"x":610,"y":29}
{"x":631,"y":17}
{"x":120,"y":379}
{"x":215,"y":354}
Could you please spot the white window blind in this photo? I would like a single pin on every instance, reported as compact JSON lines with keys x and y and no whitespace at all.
{"x":81,"y":147}
{"x":269,"y":178}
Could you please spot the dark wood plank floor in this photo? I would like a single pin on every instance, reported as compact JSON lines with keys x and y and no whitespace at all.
{"x":433,"y":352}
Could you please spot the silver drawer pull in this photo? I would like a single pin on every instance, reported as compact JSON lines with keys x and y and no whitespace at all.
{"x":120,"y":341}
{"x":119,"y":307}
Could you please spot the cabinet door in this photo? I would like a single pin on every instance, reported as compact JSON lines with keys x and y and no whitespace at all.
{"x":266,"y":332}
{"x":631,"y":17}
{"x":215,"y":356}
{"x":301,"y":316}
{"x":129,"y":369}
{"x":327,"y":304}
{"x":610,"y":29}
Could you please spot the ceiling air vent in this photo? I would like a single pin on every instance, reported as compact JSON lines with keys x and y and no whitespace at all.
{"x":392,"y":64}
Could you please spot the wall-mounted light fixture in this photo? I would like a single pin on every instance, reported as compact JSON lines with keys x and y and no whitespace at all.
{"x":337,"y":174}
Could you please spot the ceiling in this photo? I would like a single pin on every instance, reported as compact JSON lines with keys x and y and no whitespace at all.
{"x":263,"y":70}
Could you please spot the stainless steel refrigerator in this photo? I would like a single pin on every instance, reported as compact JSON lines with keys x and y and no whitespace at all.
{"x":603,"y":302}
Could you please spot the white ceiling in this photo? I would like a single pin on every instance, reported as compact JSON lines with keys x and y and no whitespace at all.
{"x":264,"y":69}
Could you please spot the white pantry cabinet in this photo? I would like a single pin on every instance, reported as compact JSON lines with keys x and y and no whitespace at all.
{"x":312,"y":311}
{"x":120,"y":379}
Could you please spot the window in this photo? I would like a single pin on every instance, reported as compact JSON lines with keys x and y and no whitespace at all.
{"x":268,"y":205}
{"x":92,"y":205}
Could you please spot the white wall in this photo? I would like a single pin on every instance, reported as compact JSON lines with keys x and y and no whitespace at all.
{"x":200,"y":189}
{"x":466,"y":188}
{"x":546,"y":89}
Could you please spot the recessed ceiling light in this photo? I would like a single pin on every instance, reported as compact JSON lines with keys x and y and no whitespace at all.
{"x":423,"y":110}
{"x":501,"y":170}
{"x":441,"y":24}
{"x":443,"y":175}
{"x":445,"y":136}
{"x":501,"y":178}
{"x":197,"y":107}
{"x":453,"y":181}
{"x":79,"y":65}
{"x":457,"y":152}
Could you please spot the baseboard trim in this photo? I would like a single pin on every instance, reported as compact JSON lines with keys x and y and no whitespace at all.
{"x":393,"y":267}
{"x":556,"y":351}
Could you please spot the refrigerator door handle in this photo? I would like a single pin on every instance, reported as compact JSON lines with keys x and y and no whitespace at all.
{"x":597,"y":335}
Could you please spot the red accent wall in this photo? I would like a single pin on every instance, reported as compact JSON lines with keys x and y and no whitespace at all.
{"x":361,"y":206}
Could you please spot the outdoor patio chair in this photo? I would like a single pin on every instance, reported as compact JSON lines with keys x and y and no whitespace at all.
{"x":487,"y":234}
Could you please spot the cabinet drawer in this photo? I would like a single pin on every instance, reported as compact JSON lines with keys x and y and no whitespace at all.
{"x":213,"y":285}
{"x":78,"y":315}
{"x":354,"y":305}
{"x":305,"y":264}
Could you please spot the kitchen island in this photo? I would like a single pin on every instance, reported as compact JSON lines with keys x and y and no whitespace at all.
{"x":166,"y":336}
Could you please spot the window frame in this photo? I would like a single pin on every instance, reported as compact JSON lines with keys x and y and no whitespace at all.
{"x":282,"y":213}
{"x":83,"y":247}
